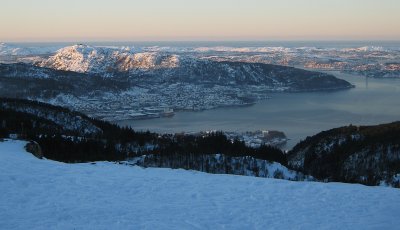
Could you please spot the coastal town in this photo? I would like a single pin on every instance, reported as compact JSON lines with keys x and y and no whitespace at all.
{"x":253,"y":139}
{"x":149,"y":102}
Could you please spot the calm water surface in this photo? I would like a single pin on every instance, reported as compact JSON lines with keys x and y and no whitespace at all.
{"x":299,"y":115}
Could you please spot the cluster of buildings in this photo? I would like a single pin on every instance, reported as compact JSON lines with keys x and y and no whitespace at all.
{"x":253,"y":139}
{"x":327,"y":65}
{"x":258,"y":138}
{"x":164,"y":100}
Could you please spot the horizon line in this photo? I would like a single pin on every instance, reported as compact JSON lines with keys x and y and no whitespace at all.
{"x":211,"y":41}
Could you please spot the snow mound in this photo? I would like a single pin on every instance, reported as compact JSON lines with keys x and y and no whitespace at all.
{"x":40,"y":194}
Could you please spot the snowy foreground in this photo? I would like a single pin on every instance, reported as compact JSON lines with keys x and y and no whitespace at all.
{"x":42,"y":194}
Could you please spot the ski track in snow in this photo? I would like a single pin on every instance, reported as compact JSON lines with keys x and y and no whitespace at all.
{"x":43,"y":194}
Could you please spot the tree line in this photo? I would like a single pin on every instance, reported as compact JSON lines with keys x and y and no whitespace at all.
{"x":115,"y":143}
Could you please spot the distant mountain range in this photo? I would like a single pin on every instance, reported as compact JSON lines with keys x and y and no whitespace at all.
{"x":172,"y":68}
{"x":102,"y":60}
{"x":86,"y":78}
{"x":371,"y":61}
{"x":16,"y":50}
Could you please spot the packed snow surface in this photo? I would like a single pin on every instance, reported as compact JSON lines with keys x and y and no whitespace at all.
{"x":43,"y":194}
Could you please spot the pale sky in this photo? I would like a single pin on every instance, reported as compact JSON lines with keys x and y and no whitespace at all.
{"x":206,"y":20}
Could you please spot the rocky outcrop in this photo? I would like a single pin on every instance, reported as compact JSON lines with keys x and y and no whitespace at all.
{"x":34,"y":148}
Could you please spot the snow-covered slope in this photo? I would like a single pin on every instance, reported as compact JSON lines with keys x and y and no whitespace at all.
{"x":16,"y":50}
{"x":42,"y":194}
{"x":161,"y":67}
{"x":223,"y":164}
{"x":89,"y":59}
{"x":8,"y":49}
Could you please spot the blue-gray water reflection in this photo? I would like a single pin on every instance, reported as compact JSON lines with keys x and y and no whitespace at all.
{"x":299,"y":115}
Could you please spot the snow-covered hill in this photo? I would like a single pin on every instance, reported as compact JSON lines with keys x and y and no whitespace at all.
{"x":7,"y":49}
{"x":161,"y":67}
{"x":89,"y":59}
{"x":42,"y":194}
{"x":222,"y":164}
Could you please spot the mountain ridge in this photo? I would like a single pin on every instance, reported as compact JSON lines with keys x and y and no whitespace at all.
{"x":356,"y":154}
{"x":89,"y":59}
{"x":164,"y":66}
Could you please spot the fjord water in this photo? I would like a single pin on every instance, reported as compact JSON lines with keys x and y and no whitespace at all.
{"x":372,"y":101}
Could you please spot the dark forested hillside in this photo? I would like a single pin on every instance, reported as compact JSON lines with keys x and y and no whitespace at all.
{"x":365,"y":154}
{"x":242,"y":73}
{"x":70,"y":136}
{"x":357,"y":154}
{"x":21,"y":80}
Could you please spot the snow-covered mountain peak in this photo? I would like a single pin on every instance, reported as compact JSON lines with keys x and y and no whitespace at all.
{"x":79,"y":48}
{"x":85,"y":58}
